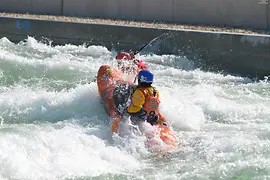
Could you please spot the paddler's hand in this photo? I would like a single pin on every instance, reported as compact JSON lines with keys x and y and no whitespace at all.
{"x":140,"y":64}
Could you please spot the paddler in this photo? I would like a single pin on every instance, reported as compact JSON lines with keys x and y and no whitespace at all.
{"x":128,"y":63}
{"x":145,"y":102}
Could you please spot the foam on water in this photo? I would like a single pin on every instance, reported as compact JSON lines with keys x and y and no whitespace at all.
{"x":62,"y":150}
{"x":54,"y":127}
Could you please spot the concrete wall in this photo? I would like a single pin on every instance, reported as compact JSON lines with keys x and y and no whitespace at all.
{"x":246,"y":13}
{"x":54,"y":7}
{"x":234,"y":13}
{"x":246,"y":55}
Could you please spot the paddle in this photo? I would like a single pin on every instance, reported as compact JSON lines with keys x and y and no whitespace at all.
{"x":139,"y":50}
{"x":136,"y":52}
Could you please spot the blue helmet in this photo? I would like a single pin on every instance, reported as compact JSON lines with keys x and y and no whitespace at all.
{"x":145,"y":76}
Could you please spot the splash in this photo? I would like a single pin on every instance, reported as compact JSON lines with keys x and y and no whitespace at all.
{"x":54,"y":127}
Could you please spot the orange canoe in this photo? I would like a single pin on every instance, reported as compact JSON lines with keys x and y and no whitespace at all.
{"x":107,"y":79}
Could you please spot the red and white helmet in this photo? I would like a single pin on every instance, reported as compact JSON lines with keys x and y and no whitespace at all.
{"x":123,"y":56}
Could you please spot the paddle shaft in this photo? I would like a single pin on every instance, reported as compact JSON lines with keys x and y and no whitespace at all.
{"x":136,"y":52}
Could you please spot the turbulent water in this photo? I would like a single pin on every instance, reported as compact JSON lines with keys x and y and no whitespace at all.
{"x":54,"y":127}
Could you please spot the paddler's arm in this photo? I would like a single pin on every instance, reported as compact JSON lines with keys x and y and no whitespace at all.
{"x":140,"y":64}
{"x":138,"y":101}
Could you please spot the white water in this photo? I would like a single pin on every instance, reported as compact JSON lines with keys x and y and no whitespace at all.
{"x":54,"y":127}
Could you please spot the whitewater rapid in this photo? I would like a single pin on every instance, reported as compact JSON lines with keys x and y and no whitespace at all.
{"x":54,"y":127}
